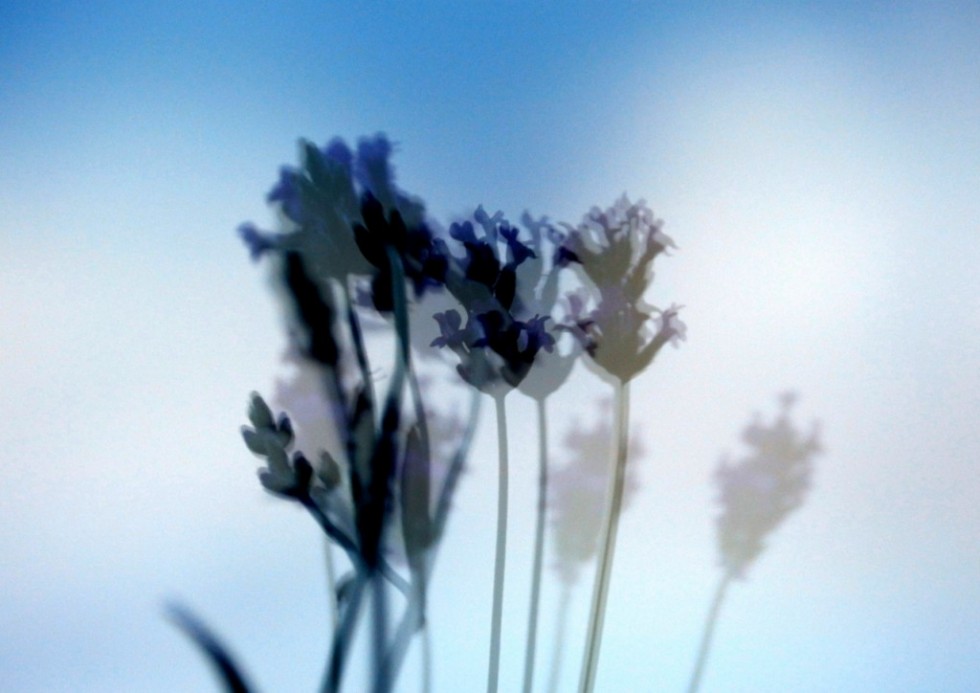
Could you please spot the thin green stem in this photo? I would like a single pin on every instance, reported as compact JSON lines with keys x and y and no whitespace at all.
{"x":343,"y":637}
{"x":532,"y":615}
{"x":357,"y":338}
{"x":600,"y":593}
{"x":709,"y":629}
{"x":381,"y":666}
{"x":563,"y":604}
{"x":419,"y":568}
{"x":331,"y":583}
{"x":384,"y":468}
{"x":426,"y":658}
{"x":501,"y":553}
{"x":412,"y":620}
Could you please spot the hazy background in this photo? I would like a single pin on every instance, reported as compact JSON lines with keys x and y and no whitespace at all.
{"x":817,"y":165}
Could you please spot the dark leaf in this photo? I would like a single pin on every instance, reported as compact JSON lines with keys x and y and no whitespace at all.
{"x":415,"y":484}
{"x":314,"y":312}
{"x":212,"y":648}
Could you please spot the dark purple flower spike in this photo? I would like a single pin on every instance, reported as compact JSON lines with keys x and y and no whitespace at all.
{"x":496,"y":343}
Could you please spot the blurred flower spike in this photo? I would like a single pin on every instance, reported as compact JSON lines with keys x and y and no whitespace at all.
{"x":760,"y":490}
{"x":581,"y":486}
{"x":615,"y":250}
{"x":342,"y":210}
{"x":424,"y":257}
{"x":271,"y":439}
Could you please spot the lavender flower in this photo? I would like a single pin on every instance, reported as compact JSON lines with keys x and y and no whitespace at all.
{"x":581,"y":488}
{"x":423,"y":257}
{"x":317,"y":204}
{"x":271,"y":439}
{"x":498,"y":342}
{"x":760,"y":490}
{"x":341,"y":212}
{"x":345,"y":224}
{"x":581,"y":485}
{"x":538,"y":292}
{"x":756,"y":495}
{"x":615,"y":250}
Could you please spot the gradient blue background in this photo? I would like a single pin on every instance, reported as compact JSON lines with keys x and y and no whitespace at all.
{"x":818,"y":165}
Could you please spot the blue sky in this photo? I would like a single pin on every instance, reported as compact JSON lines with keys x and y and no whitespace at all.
{"x":816,"y":163}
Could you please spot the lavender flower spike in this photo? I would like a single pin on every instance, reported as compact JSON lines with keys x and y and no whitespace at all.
{"x":756,"y":495}
{"x":759,"y":491}
{"x":614,"y":251}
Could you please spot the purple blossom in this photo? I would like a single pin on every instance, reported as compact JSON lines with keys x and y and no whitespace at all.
{"x":500,"y":339}
{"x":452,"y":336}
{"x":372,"y":170}
{"x":258,"y":242}
{"x":286,"y":192}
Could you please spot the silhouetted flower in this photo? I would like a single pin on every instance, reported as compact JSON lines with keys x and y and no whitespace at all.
{"x":258,"y":242}
{"x":615,"y":250}
{"x":424,"y":258}
{"x":317,"y":204}
{"x":498,"y":342}
{"x":372,"y":169}
{"x":760,"y":490}
{"x":270,"y":438}
{"x":341,"y":211}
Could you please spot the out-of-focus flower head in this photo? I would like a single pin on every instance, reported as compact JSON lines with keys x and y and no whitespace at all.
{"x":341,"y":210}
{"x":292,"y":475}
{"x":757,"y":492}
{"x":271,"y":438}
{"x":317,"y":203}
{"x":424,"y":258}
{"x":615,"y":250}
{"x":581,"y":487}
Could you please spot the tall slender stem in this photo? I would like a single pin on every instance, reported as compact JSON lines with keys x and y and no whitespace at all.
{"x":343,"y":637}
{"x":357,"y":338}
{"x":331,"y":583}
{"x":501,"y":553}
{"x":600,"y":593}
{"x":426,"y":658}
{"x":563,"y":604}
{"x":381,"y":665}
{"x":709,"y":629}
{"x":383,"y":473}
{"x":532,"y":615}
{"x":419,"y":566}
